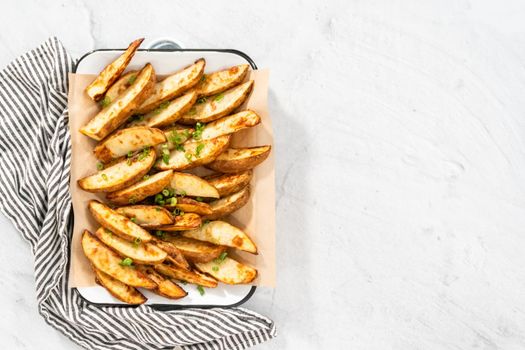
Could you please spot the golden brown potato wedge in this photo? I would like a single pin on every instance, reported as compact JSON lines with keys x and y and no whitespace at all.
{"x":228,"y":271}
{"x":183,"y":222}
{"x":192,"y":185}
{"x":195,"y":250}
{"x":118,"y":224}
{"x":167,"y":112}
{"x":230,"y":124}
{"x":127,"y":140}
{"x":227,"y":184}
{"x":119,"y":290}
{"x":175,"y":256}
{"x":218,"y":106}
{"x":120,"y":86}
{"x":112,"y":72}
{"x":235,"y":160}
{"x":138,"y":191}
{"x":165,"y":287}
{"x":173,"y":86}
{"x":227,"y":205}
{"x":189,"y":205}
{"x":191,"y":157}
{"x":109,"y":262}
{"x":118,"y":111}
{"x":222,"y":233}
{"x":120,"y":174}
{"x":222,"y":80}
{"x":147,"y":216}
{"x":194,"y":277}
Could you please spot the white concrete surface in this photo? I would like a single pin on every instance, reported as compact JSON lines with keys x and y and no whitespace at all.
{"x":400,"y":129}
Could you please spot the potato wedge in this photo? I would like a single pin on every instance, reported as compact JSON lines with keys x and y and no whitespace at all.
{"x":230,"y":124}
{"x":118,"y":224}
{"x":222,"y":233}
{"x":218,"y":106}
{"x":189,"y":205}
{"x":142,"y":189}
{"x":119,"y":290}
{"x":118,"y":111}
{"x":227,"y":205}
{"x":222,"y":80}
{"x":112,"y":72}
{"x":147,"y":216}
{"x":187,"y":221}
{"x":127,"y":140}
{"x":168,"y":112}
{"x":194,"y":277}
{"x":109,"y":262}
{"x":173,"y":86}
{"x":140,"y":253}
{"x":175,"y":256}
{"x":235,"y":160}
{"x":195,"y":250}
{"x":227,"y":184}
{"x":192,"y":185}
{"x":187,"y":159}
{"x":120,"y":85}
{"x":228,"y":271}
{"x":119,"y":175}
{"x":165,"y":287}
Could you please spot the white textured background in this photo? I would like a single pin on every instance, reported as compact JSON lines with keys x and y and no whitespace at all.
{"x":400,"y":129}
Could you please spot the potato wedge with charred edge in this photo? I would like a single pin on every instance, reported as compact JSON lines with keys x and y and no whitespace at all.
{"x":195,"y":250}
{"x":147,"y":216}
{"x":218,"y":106}
{"x":127,"y":140}
{"x":118,"y":111}
{"x":227,"y":184}
{"x":192,"y":185}
{"x":119,"y":175}
{"x":142,"y":189}
{"x":222,"y":80}
{"x":175,"y":256}
{"x":234,"y":160}
{"x":189,"y":276}
{"x":112,"y":72}
{"x":109,"y":262}
{"x":118,"y":224}
{"x":230,"y":124}
{"x":165,"y":287}
{"x":227,"y":205}
{"x":187,"y":221}
{"x":222,"y":233}
{"x":120,"y":85}
{"x":189,"y":205}
{"x":119,"y":290}
{"x":187,"y":159}
{"x":168,"y":112}
{"x":228,"y":271}
{"x":173,"y":86}
{"x":140,"y":253}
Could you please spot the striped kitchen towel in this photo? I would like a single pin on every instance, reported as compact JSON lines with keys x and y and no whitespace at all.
{"x":34,"y":194}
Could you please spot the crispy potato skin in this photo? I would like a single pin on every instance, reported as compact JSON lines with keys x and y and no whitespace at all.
{"x":187,"y":221}
{"x":194,"y":250}
{"x":230,"y":124}
{"x":228,"y":271}
{"x":186,"y":275}
{"x":189,"y":205}
{"x":227,"y":184}
{"x":227,"y":205}
{"x":147,"y":216}
{"x":192,"y":185}
{"x":119,"y":290}
{"x":161,"y":117}
{"x":165,"y":287}
{"x":120,"y":85}
{"x":112,"y":72}
{"x":223,"y":80}
{"x":222,"y":233}
{"x":235,"y":160}
{"x":142,"y":189}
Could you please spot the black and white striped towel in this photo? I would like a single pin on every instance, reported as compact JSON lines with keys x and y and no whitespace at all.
{"x":34,"y":194}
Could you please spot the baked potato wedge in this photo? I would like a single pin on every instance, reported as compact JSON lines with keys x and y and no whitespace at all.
{"x":217,"y":106}
{"x":228,"y":271}
{"x":120,"y":86}
{"x":119,"y":290}
{"x":195,"y":153}
{"x":194,"y":250}
{"x":175,"y":256}
{"x":147,"y":216}
{"x":138,"y":191}
{"x":230,"y":124}
{"x":189,"y":205}
{"x":165,"y":287}
{"x":222,"y":80}
{"x":140,"y":253}
{"x":235,"y":160}
{"x":189,"y":276}
{"x":173,"y":86}
{"x":118,"y":224}
{"x":227,"y":184}
{"x":168,"y":112}
{"x":192,"y":185}
{"x":228,"y":204}
{"x":222,"y":233}
{"x":112,"y":72}
{"x":127,"y":140}
{"x":120,"y":174}
{"x":118,"y":111}
{"x":109,"y":262}
{"x":183,"y":222}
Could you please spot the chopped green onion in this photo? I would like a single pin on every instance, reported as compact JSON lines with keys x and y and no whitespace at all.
{"x":180,"y":148}
{"x":201,"y":100}
{"x":106,"y":101}
{"x":221,"y":258}
{"x":132,"y":79}
{"x":162,"y":106}
{"x":215,"y":268}
{"x":199,"y":128}
{"x":172,"y":201}
{"x":158,"y":197}
{"x":100,"y":166}
{"x":166,"y":158}
{"x":130,"y":154}
{"x":126,"y":262}
{"x":176,"y":212}
{"x":193,"y":111}
{"x":161,"y":202}
{"x":160,"y":233}
{"x":105,"y":177}
{"x":199,"y":149}
{"x":183,"y":193}
{"x":144,"y":153}
{"x":157,"y":208}
{"x":181,"y":213}
{"x":132,"y":200}
{"x":129,"y":161}
{"x":218,"y":98}
{"x":203,"y":78}
{"x":166,"y":192}
{"x":137,"y":242}
{"x":201,"y":290}
{"x":188,"y":156}
{"x":198,"y":199}
{"x":145,"y":177}
{"x":134,"y":220}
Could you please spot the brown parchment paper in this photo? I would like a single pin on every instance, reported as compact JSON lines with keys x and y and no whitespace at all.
{"x":257,"y":218}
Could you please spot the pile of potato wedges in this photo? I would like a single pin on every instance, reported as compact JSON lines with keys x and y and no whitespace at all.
{"x":161,"y":224}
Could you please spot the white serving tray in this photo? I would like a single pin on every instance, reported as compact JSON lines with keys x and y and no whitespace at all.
{"x":166,"y":62}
